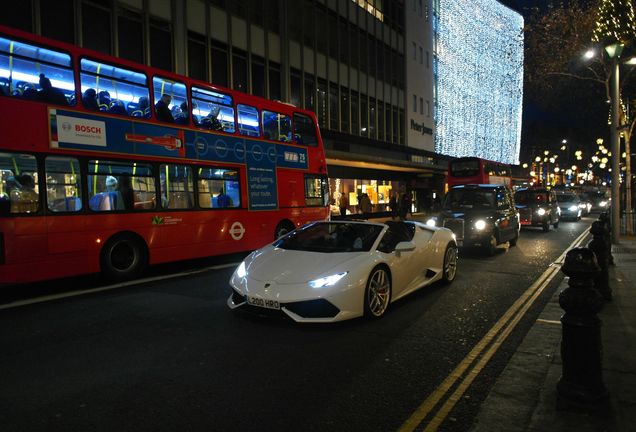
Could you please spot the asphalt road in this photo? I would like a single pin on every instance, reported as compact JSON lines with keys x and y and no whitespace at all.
{"x":168,"y":355}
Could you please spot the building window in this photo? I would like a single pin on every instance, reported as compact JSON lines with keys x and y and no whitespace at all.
{"x":239,"y":70}
{"x":414,"y":51}
{"x":219,"y":64}
{"x":321,"y":103}
{"x":421,"y":55}
{"x":96,"y":37}
{"x":422,"y":106}
{"x":274,"y":81}
{"x":308,"y":23}
{"x":333,"y":106}
{"x":381,"y":120}
{"x":355,"y":124}
{"x":197,"y":59}
{"x":57,"y":19}
{"x":428,"y":59}
{"x":372,"y":123}
{"x":414,"y":103}
{"x":294,"y":84}
{"x":343,"y":41}
{"x":130,"y":35}
{"x":372,"y":55}
{"x":310,"y":93}
{"x":160,"y":44}
{"x":258,"y":76}
{"x":428,"y":108}
{"x":344,"y":109}
{"x":364,"y":116}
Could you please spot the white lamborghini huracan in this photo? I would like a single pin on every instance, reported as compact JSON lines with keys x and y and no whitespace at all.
{"x":332,"y":271}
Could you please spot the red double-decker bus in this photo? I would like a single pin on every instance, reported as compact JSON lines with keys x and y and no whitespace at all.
{"x":473,"y":170}
{"x":108,"y":165}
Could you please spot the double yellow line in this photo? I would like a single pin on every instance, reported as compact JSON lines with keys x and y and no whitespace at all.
{"x":466,"y":372}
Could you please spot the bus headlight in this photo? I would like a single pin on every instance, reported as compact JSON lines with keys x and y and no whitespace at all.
{"x":480,"y":224}
{"x":431,"y":222}
{"x":541,"y":212}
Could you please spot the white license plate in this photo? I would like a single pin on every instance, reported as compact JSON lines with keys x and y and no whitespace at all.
{"x":264,"y":303}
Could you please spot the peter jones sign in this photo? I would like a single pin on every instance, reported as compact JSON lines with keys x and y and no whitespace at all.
{"x":421,"y":128}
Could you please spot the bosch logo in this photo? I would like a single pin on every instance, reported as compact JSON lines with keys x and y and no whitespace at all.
{"x":66,"y":126}
{"x":88,"y":129}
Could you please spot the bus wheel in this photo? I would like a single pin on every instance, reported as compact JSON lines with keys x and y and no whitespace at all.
{"x":123,"y":257}
{"x":283,"y":228}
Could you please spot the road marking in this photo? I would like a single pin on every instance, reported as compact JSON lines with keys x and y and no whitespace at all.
{"x":503,"y":328}
{"x":545,"y":321}
{"x":112,"y":287}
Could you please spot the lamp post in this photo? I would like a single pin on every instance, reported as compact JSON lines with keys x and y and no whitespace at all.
{"x":614,"y":51}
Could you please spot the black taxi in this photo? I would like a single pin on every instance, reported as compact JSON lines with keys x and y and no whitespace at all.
{"x":482,"y":215}
{"x":538,"y":207}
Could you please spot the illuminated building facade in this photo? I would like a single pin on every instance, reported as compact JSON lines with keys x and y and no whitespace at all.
{"x":479,"y":79}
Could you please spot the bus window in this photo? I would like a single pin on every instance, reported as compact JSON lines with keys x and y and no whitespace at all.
{"x":276,"y":127}
{"x":316,"y":191}
{"x":63,"y":184}
{"x":218,"y":188}
{"x":120,"y":185}
{"x":36,"y":73}
{"x":170,"y":100}
{"x":212,"y":110}
{"x":19,"y":182}
{"x":177,"y":191}
{"x":247,"y":120}
{"x":304,"y":130}
{"x":113,"y":89}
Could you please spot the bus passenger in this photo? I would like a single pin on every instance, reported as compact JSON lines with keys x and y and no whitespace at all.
{"x":104,"y":100}
{"x":89,"y":99}
{"x":212,"y":121}
{"x":48,"y":93}
{"x":162,"y":109}
{"x":223,"y":200}
{"x":183,"y":118}
{"x":143,"y":108}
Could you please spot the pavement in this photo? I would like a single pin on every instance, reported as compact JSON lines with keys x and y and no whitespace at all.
{"x":525,"y":398}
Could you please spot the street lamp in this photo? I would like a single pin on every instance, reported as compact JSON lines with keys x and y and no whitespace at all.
{"x":614,"y":52}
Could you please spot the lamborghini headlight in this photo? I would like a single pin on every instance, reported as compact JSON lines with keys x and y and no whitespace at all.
{"x":327,"y":281}
{"x":241,"y":271}
{"x":431,"y":222}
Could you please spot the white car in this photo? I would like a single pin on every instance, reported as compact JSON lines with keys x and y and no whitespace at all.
{"x":333,"y":271}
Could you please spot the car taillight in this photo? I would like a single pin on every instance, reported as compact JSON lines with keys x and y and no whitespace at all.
{"x":1,"y":248}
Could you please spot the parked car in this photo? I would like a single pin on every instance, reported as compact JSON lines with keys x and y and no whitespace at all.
{"x":332,"y":271}
{"x":482,"y":215}
{"x":569,"y":203}
{"x":537,"y":207}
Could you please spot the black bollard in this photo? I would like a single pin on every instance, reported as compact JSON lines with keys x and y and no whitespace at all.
{"x":598,"y":245}
{"x":605,"y":218}
{"x":581,"y":352}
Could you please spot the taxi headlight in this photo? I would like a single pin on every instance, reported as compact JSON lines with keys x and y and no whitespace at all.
{"x":573,"y":208}
{"x":541,"y":212}
{"x":582,"y":206}
{"x":431,"y":222}
{"x":241,"y":271}
{"x":603,"y":203}
{"x":480,"y":224}
{"x":327,"y":281}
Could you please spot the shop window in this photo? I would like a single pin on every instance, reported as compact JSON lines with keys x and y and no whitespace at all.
{"x":218,"y":188}
{"x":19,"y":183}
{"x":177,"y":191}
{"x":63,"y":184}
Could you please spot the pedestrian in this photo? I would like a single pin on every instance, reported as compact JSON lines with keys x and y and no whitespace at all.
{"x":343,"y":203}
{"x":393,"y":205}
{"x":404,"y":206}
{"x":365,"y":204}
